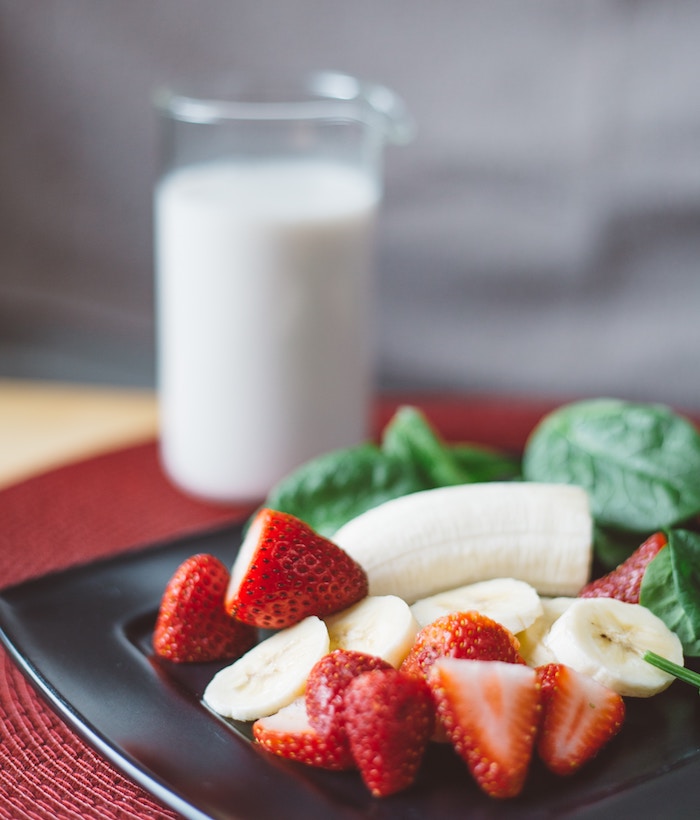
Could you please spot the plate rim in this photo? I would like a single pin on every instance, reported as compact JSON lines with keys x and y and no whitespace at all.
{"x":135,"y":769}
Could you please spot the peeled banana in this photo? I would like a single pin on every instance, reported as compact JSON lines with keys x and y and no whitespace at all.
{"x":420,"y":544}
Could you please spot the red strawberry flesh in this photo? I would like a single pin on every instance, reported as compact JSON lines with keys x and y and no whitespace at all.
{"x":580,"y":716}
{"x":285,"y":571}
{"x":192,"y":624}
{"x":490,"y":711}
{"x":625,"y":581}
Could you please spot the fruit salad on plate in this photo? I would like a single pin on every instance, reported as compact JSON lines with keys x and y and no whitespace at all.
{"x":411,"y":592}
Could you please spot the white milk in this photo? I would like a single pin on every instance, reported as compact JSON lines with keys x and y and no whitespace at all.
{"x":263,"y":312}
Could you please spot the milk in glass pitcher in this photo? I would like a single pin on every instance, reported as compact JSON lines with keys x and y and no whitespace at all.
{"x":264,"y":220}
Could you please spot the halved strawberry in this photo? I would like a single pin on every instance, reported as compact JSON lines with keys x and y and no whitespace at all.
{"x":490,"y":711}
{"x":579,"y":717}
{"x":288,"y":734}
{"x":326,"y":685}
{"x":389,"y":718}
{"x":285,"y":571}
{"x":625,"y":581}
{"x":192,"y":624}
{"x":468,"y":635}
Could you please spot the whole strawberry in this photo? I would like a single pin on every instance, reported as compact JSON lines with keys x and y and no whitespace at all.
{"x":285,"y":571}
{"x":326,"y":685}
{"x":389,"y":719}
{"x":625,"y":581}
{"x":192,"y":624}
{"x":468,"y":635}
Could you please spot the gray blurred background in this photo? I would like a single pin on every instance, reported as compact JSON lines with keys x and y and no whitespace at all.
{"x":540,"y":235}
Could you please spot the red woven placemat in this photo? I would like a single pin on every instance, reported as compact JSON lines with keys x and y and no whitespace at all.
{"x":71,"y":515}
{"x":110,"y":504}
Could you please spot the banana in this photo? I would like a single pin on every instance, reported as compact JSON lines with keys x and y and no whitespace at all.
{"x":532,"y":648}
{"x":271,"y":674}
{"x":378,"y":625}
{"x":290,"y":718}
{"x":606,"y":639}
{"x":514,"y":604}
{"x":423,"y":543}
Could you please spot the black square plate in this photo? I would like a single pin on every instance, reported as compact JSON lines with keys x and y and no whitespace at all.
{"x":83,"y":638}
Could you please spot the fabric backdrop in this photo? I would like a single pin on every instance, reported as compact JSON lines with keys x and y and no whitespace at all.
{"x":542,"y":232}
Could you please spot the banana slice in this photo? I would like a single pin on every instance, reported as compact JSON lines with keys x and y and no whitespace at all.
{"x":378,"y":625}
{"x":430,"y":541}
{"x":514,"y":604}
{"x":606,"y":639}
{"x":532,"y":648}
{"x":270,"y":675}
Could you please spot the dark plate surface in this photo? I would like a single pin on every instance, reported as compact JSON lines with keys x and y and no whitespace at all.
{"x":83,"y":638}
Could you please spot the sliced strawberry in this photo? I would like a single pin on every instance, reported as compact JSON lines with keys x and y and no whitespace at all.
{"x":625,"y":581}
{"x":326,"y":685}
{"x":490,"y":711}
{"x":285,"y":572}
{"x":579,"y":717}
{"x":289,"y":734}
{"x":468,"y":635}
{"x":389,"y":718}
{"x":192,"y":624}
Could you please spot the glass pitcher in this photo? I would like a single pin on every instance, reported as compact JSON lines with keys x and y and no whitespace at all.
{"x":264,"y":217}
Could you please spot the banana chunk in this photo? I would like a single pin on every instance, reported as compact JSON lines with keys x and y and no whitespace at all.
{"x":512,"y":603}
{"x":434,"y":540}
{"x":377,"y":625}
{"x":271,"y":674}
{"x":532,"y":647}
{"x":606,"y":639}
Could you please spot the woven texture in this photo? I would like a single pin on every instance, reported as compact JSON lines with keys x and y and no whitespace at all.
{"x":109,"y":504}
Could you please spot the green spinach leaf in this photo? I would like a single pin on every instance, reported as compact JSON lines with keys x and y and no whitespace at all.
{"x":410,"y":438}
{"x":479,"y":464}
{"x":671,"y":587}
{"x":640,"y":463}
{"x":328,"y":491}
